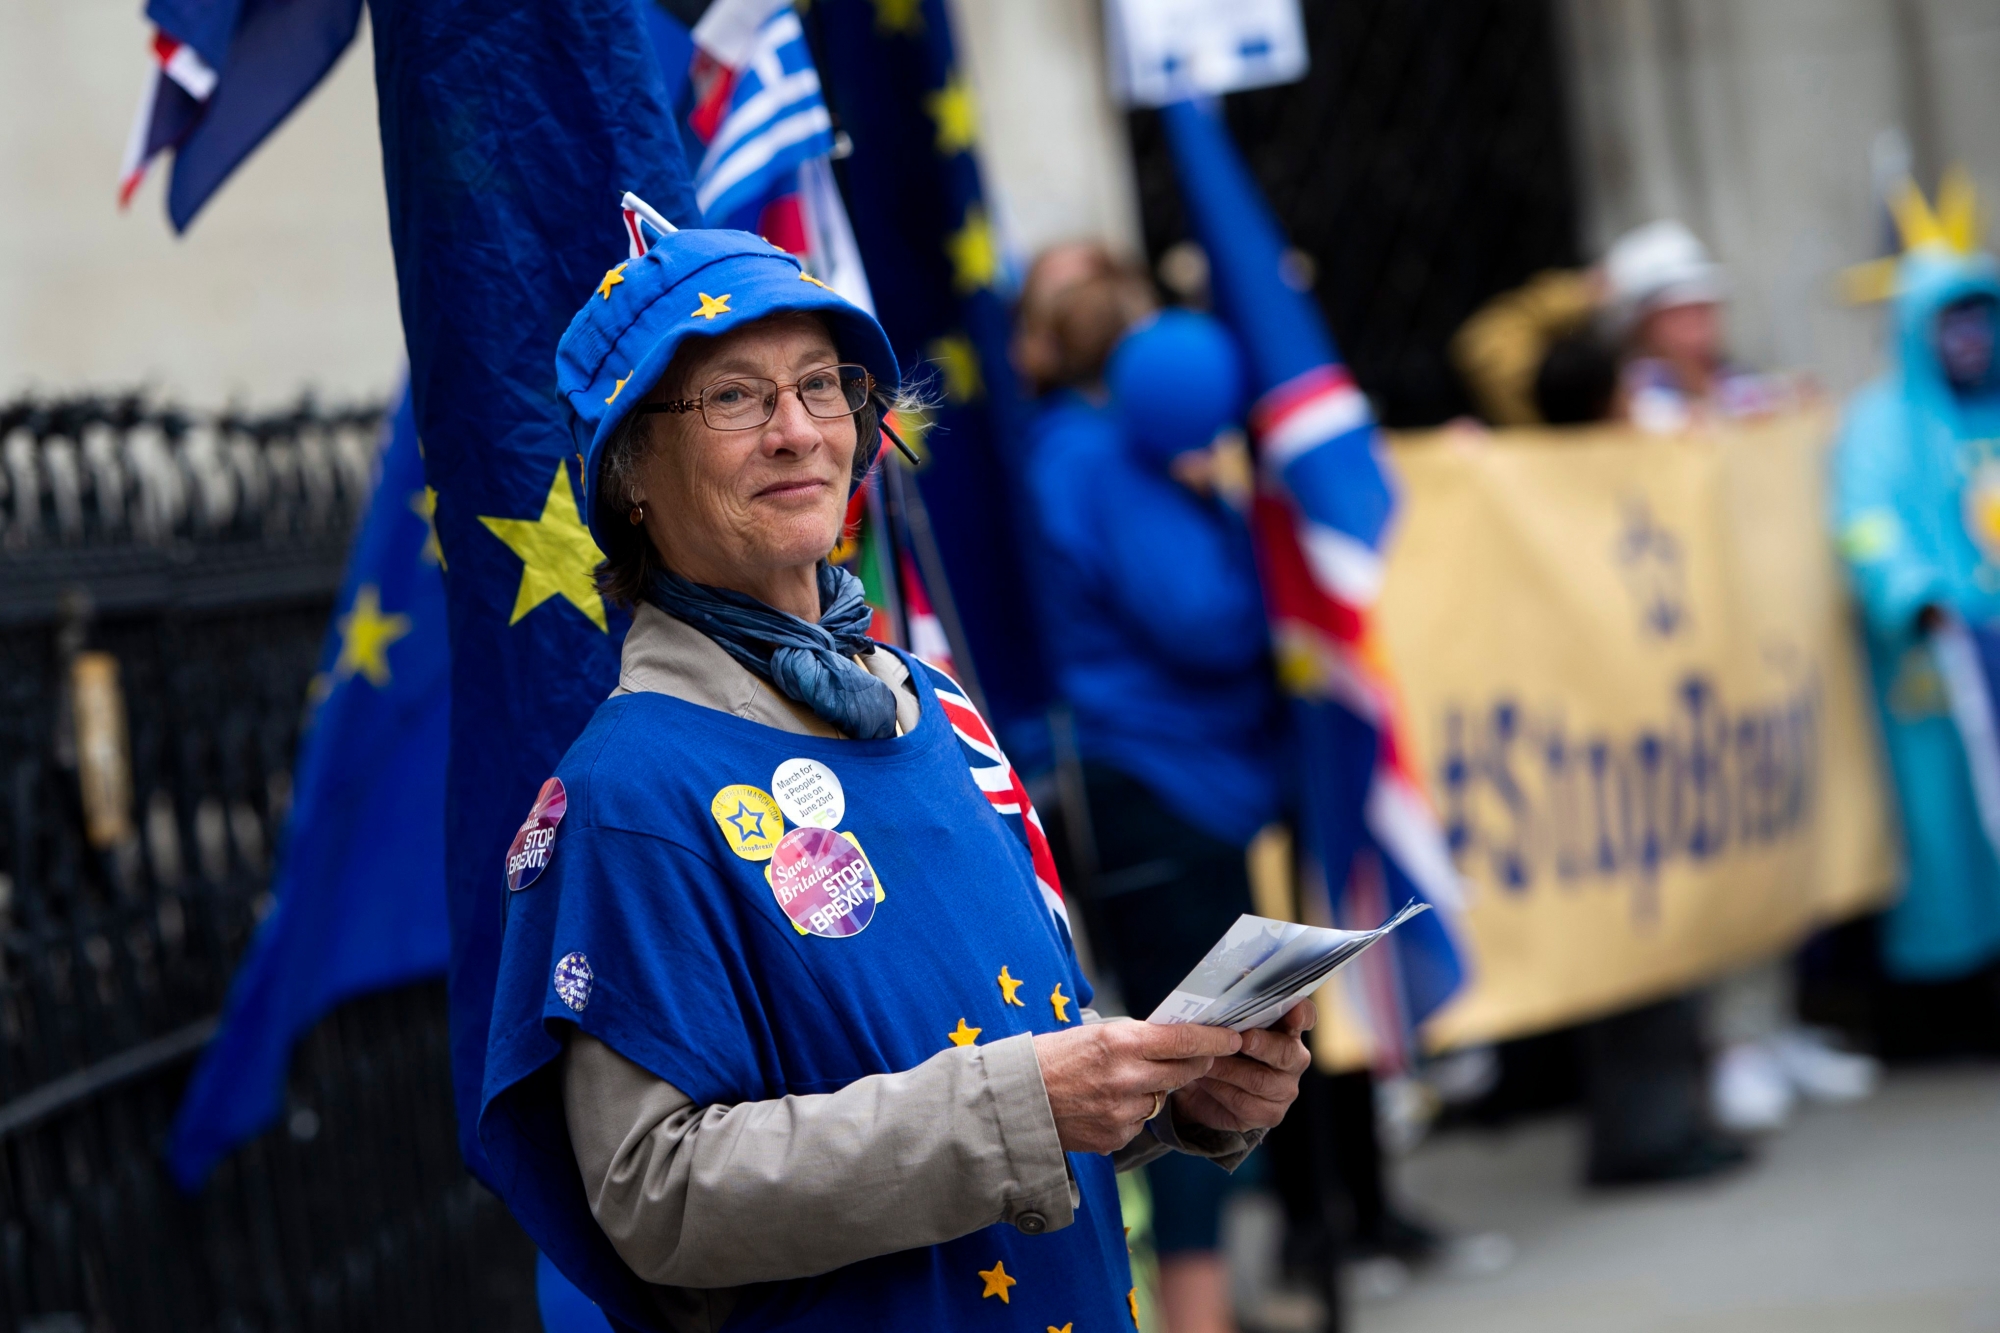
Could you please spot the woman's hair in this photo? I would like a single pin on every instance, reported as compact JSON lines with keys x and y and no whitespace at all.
{"x":1076,"y":303}
{"x":630,"y":562}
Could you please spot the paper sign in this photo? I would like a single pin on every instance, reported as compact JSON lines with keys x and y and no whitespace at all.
{"x":1168,"y":50}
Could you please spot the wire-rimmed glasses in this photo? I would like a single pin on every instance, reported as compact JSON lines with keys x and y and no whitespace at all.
{"x":745,"y":402}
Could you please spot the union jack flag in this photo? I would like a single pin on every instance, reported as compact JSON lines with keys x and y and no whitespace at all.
{"x":1322,"y":510}
{"x":1002,"y":787}
{"x":178,"y":87}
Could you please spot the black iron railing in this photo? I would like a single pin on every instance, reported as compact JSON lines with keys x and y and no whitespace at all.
{"x":165,"y":583}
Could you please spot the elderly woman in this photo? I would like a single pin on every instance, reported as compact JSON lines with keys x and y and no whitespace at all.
{"x":789,"y":1030}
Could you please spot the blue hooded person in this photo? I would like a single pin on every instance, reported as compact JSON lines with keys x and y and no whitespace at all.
{"x":1149,"y":590}
{"x":1917,"y":514}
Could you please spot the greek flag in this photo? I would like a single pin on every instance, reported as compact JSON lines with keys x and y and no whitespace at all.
{"x":776,"y":122}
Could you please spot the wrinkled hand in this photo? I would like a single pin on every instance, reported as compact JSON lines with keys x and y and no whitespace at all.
{"x":1252,"y":1090}
{"x":1104,"y":1078}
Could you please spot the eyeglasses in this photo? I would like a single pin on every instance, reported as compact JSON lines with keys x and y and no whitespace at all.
{"x":749,"y":401}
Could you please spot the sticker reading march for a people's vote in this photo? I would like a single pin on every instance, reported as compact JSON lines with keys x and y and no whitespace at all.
{"x":823,"y":883}
{"x":749,"y":819}
{"x":529,"y":855}
{"x":809,"y":793}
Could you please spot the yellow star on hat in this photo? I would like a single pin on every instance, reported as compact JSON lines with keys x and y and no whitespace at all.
{"x":711,"y":306}
{"x":618,"y":386}
{"x":612,"y":278}
{"x":365,"y":636}
{"x":558,"y":558}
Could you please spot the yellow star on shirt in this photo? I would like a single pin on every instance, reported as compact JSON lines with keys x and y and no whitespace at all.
{"x":558,"y":558}
{"x":956,"y":114}
{"x":618,"y":386}
{"x":975,"y":255}
{"x":958,"y":362}
{"x":424,"y":504}
{"x":1008,"y":985}
{"x":711,"y":306}
{"x":1060,"y":1003}
{"x":963,"y":1035}
{"x":905,"y":16}
{"x":997,"y":1282}
{"x":612,"y":278}
{"x":365,"y":636}
{"x":1132,"y":1299}
{"x":1064,"y":1329}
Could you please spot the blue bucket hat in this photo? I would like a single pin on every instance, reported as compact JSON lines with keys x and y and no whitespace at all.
{"x":690,"y":284}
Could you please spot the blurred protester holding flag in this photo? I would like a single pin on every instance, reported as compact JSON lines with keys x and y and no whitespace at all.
{"x":1917,"y":515}
{"x":1150,"y":597}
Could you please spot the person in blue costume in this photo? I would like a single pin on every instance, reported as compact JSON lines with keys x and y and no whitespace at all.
{"x":1149,"y":585}
{"x":789,"y":1031}
{"x":1917,"y":513}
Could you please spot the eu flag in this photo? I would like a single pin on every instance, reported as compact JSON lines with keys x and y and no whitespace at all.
{"x":360,"y":887}
{"x":934,"y":262}
{"x":510,"y":133}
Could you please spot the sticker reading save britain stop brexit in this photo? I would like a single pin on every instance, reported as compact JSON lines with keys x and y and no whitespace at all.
{"x":823,"y":883}
{"x":809,"y":793}
{"x":529,"y":854}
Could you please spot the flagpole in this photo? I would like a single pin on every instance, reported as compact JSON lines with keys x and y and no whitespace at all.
{"x":923,"y":544}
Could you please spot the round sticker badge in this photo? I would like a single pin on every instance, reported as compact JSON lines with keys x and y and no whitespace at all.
{"x":534,"y":844}
{"x":749,"y":819}
{"x":823,"y":883}
{"x":573,"y":978}
{"x":809,"y":793}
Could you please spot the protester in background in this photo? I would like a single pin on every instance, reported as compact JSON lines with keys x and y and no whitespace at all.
{"x":1152,"y":600}
{"x":1077,"y":301}
{"x":1504,"y":348}
{"x":1656,"y":302}
{"x":1916,"y":499}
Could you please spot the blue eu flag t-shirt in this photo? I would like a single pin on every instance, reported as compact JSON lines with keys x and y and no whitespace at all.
{"x":750,"y":914}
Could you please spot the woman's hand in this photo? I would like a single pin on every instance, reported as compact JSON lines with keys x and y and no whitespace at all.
{"x":1104,"y":1079}
{"x":1252,"y":1090}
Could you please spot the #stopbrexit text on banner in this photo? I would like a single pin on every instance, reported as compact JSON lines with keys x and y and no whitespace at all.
{"x":1635,"y":695}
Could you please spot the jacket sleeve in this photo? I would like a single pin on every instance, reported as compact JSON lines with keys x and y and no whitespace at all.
{"x":1892,"y":577}
{"x":721,"y":1196}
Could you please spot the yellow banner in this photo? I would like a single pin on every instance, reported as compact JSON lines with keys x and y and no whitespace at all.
{"x":1631,"y":683}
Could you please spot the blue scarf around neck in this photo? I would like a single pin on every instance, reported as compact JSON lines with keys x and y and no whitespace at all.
{"x":813,"y":664}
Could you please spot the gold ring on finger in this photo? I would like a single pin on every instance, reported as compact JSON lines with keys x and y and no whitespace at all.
{"x":1159,"y":1100}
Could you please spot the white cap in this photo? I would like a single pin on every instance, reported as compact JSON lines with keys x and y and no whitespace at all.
{"x":1659,"y":265}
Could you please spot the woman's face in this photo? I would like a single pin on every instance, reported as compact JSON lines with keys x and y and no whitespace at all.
{"x":732,"y":508}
